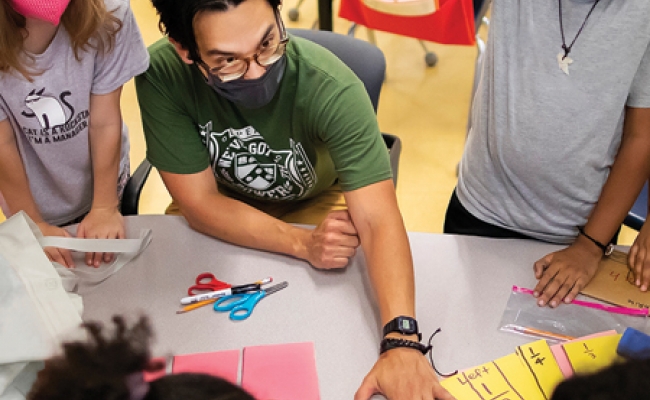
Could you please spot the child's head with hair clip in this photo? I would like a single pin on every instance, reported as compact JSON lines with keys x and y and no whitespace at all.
{"x":111,"y":368}
{"x":622,"y":381}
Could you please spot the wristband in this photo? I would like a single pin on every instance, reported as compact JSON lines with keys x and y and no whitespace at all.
{"x":390,"y":343}
{"x":607,"y":249}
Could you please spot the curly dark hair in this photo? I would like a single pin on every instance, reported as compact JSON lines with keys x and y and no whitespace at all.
{"x":622,"y":381}
{"x":177,"y":18}
{"x":98,"y":370}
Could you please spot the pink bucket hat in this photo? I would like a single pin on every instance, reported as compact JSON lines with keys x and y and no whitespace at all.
{"x":47,"y":10}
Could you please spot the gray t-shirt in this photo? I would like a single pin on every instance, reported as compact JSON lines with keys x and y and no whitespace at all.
{"x":542,"y":142}
{"x":50,"y":116}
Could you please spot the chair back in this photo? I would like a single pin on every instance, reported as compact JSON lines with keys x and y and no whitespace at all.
{"x":364,"y":59}
{"x":480,"y":9}
{"x":368,"y":63}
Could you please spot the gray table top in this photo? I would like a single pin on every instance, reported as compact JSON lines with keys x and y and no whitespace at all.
{"x":462,"y":284}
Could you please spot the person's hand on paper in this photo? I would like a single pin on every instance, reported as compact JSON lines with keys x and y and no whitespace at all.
{"x":563,"y":274}
{"x":101,"y":223}
{"x":402,"y":374}
{"x":61,"y":256}
{"x":333,"y":242}
{"x":639,"y":258}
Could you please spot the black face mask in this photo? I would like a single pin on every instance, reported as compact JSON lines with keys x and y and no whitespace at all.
{"x":251,"y":93}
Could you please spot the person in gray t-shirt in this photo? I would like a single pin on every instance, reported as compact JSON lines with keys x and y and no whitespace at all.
{"x":560,"y":132}
{"x":63,"y":146}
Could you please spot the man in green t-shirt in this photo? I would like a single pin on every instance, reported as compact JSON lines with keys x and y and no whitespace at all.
{"x":247,"y":124}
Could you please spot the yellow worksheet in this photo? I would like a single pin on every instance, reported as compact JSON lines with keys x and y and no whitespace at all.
{"x":538,"y":358}
{"x":503,"y":378}
{"x":592,"y":355}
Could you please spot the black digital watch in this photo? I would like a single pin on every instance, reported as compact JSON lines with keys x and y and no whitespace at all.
{"x":403,"y":325}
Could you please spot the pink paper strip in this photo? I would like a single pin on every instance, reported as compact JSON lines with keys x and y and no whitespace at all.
{"x":643,"y":312}
{"x":224,"y":364}
{"x":561,"y":357}
{"x":284,"y":371}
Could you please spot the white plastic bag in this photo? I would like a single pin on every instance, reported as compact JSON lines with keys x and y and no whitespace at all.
{"x":580,"y":318}
{"x":36,"y":313}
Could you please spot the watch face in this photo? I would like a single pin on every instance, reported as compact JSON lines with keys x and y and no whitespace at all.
{"x":406,"y":325}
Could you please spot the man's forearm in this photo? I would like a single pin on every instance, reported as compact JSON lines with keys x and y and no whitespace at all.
{"x":385,"y":243}
{"x":390,"y":268}
{"x":236,"y":222}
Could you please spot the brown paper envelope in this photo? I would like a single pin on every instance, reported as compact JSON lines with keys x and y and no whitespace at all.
{"x":614,"y":283}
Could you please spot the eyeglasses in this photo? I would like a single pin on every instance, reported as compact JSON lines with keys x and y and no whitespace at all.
{"x":229,"y":68}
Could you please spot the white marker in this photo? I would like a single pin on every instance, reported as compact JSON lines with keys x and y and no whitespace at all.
{"x":226,"y":292}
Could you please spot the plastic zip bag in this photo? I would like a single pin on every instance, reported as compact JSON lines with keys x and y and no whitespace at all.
{"x":568,"y":321}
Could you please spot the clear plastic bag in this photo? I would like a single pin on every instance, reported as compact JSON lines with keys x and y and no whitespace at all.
{"x":567,"y":321}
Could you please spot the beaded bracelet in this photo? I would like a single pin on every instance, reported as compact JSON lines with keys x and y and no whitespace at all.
{"x":391,"y":343}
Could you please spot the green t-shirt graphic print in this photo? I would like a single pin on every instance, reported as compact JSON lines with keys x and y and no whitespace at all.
{"x":244,"y":161}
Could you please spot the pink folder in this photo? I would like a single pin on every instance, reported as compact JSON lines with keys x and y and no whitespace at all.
{"x":153,"y":375}
{"x":224,"y":364}
{"x":283,"y":371}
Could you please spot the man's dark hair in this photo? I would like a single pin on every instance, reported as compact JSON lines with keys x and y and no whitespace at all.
{"x":177,"y":18}
{"x":625,"y":381}
{"x":99,"y":369}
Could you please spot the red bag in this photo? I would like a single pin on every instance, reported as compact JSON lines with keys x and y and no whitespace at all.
{"x":451,"y":23}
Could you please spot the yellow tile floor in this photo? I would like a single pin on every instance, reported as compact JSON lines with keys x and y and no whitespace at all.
{"x":426,"y":107}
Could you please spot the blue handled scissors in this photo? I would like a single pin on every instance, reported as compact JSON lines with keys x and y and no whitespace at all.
{"x":241,"y":305}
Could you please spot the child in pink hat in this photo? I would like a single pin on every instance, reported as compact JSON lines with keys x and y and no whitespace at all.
{"x":63,"y":145}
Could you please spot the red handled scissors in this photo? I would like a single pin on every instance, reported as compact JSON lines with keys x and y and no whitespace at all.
{"x":207,"y":282}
